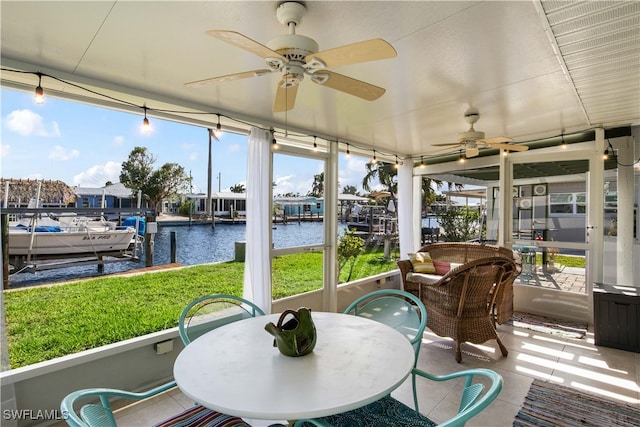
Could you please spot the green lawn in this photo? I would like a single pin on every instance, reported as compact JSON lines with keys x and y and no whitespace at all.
{"x":45,"y":322}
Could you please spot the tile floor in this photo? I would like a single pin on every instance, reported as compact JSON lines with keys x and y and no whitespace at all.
{"x":576,"y":363}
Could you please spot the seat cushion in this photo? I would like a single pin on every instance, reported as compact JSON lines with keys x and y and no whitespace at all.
{"x":199,"y":416}
{"x":386,"y":412}
{"x":426,"y":279}
{"x":421,"y":262}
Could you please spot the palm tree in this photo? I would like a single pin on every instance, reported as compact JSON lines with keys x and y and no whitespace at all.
{"x":317,"y":189}
{"x":238,"y":188}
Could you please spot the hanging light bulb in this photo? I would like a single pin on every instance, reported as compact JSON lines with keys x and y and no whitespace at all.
{"x":563,"y":144}
{"x":39,"y":96}
{"x":462,"y":159}
{"x":274,"y":142}
{"x":348,"y":152}
{"x":397,"y":163}
{"x":505,"y":153}
{"x":218,"y":132}
{"x":374,"y":159}
{"x":422,"y":165}
{"x":315,"y":144}
{"x":146,"y":126}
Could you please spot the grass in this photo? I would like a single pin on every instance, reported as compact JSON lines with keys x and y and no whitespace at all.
{"x":45,"y":322}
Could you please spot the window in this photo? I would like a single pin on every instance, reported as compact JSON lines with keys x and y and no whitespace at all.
{"x":567,"y":203}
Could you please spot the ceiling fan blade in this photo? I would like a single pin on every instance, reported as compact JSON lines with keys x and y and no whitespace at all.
{"x":348,"y":85}
{"x":509,"y":147}
{"x":285,"y":97}
{"x":471,"y":152}
{"x":450,"y":144}
{"x":236,"y":76}
{"x":496,"y":140}
{"x":244,"y":42}
{"x":364,"y":51}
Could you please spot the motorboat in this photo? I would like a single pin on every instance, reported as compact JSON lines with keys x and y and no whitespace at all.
{"x":42,"y":235}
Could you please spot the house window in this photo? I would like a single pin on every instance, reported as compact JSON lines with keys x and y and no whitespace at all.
{"x":567,"y":203}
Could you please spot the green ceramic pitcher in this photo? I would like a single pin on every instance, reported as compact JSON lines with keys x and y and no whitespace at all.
{"x":296,"y":336}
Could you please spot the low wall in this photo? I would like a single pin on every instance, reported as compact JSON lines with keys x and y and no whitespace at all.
{"x":31,"y":395}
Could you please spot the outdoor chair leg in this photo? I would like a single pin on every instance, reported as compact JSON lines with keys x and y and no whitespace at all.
{"x":458,"y":352}
{"x":503,"y":349}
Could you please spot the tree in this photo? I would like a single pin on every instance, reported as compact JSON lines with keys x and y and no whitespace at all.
{"x":460,"y":224}
{"x":317,"y":189}
{"x":156,"y":185}
{"x":350,"y":189}
{"x":238,"y":188}
{"x":349,"y":248}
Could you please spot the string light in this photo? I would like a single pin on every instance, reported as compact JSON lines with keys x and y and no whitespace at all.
{"x":461,"y":159}
{"x":563,"y":144}
{"x":397,"y":164}
{"x":374,"y":159}
{"x":505,"y":153}
{"x":218,"y":132}
{"x":605,"y":155}
{"x":274,"y":143}
{"x":39,"y":96}
{"x":315,"y":144}
{"x":422,"y":165}
{"x":146,"y":126}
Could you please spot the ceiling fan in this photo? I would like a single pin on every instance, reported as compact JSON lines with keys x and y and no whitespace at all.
{"x":472,"y":141}
{"x":295,"y":56}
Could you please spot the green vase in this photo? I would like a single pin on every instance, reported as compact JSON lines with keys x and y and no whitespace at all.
{"x":295,"y":337}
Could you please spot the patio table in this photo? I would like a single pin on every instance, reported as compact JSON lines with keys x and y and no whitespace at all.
{"x":235,"y":369}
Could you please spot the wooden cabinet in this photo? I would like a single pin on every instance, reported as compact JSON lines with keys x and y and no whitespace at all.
{"x":617,"y":316}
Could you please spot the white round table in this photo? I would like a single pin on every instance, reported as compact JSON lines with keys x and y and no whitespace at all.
{"x":235,"y":369}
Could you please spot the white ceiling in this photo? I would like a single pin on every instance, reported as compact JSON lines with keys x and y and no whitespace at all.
{"x":532,"y":69}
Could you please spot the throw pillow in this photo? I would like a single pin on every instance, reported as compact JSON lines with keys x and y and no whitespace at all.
{"x":442,"y":267}
{"x":422,"y":262}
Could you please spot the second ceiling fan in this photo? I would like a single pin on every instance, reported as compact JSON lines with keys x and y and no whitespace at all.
{"x":295,"y":56}
{"x":472,"y":141}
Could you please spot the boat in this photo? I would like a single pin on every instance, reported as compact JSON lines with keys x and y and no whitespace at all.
{"x":46,"y":236}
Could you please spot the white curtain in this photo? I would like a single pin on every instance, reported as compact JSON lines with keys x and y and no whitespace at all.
{"x":257,"y":270}
{"x":405,"y":209}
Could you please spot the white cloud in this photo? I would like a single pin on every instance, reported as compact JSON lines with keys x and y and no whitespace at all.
{"x":60,"y":153}
{"x":4,"y":150}
{"x":28,"y":123}
{"x":118,"y":140}
{"x":98,"y":175}
{"x":193,"y":156}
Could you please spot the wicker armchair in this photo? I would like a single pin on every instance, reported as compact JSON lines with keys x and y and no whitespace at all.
{"x":462,"y":252}
{"x":457,"y":304}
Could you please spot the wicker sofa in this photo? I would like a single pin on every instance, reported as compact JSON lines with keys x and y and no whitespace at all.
{"x":458,"y":253}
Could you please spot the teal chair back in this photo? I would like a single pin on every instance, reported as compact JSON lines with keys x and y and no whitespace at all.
{"x":212,"y":311}
{"x":398,"y":309}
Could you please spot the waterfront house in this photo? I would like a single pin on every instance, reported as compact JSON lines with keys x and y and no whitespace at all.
{"x":110,"y":196}
{"x":560,"y":78}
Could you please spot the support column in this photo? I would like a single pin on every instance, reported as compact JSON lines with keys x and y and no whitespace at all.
{"x":624,"y":241}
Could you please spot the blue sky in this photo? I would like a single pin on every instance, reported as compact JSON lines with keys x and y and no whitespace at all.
{"x":85,"y":146}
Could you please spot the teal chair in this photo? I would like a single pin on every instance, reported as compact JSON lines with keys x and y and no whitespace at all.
{"x":212,"y":311}
{"x":198,"y":317}
{"x":91,"y":408}
{"x":392,"y":413}
{"x":398,"y":309}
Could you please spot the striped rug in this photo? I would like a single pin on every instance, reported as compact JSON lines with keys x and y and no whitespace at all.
{"x":547,"y":325}
{"x":549,"y":404}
